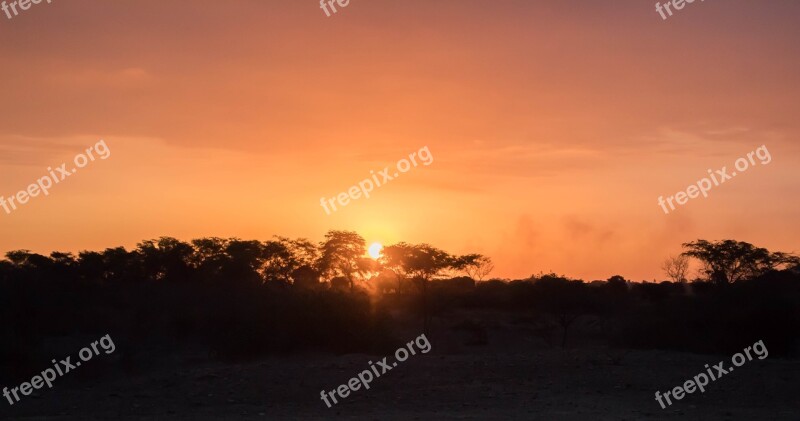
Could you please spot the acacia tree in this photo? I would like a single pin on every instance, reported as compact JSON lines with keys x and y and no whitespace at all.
{"x":426,"y":262}
{"x":395,"y":258}
{"x":476,"y":266}
{"x":290,"y":261}
{"x":728,"y":261}
{"x":341,"y":254}
{"x":420,"y":263}
{"x":676,"y":267}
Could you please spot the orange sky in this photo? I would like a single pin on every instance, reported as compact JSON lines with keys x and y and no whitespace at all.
{"x":554,"y":125}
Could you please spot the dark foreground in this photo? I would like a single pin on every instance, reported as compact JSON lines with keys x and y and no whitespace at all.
{"x":451,"y":382}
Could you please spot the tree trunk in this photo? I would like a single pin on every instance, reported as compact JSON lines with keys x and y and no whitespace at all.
{"x":425,"y":315}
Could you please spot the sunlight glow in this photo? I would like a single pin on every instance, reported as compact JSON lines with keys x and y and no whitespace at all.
{"x":375,"y":250}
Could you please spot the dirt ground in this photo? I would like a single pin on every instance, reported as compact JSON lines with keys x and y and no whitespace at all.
{"x":452,"y":382}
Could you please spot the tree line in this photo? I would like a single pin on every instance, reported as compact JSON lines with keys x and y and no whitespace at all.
{"x":242,"y":298}
{"x":341,"y":257}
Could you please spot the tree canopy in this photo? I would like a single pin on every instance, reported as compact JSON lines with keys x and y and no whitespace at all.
{"x":729,"y":261}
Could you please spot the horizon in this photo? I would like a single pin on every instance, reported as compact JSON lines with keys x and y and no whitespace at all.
{"x":694,"y":267}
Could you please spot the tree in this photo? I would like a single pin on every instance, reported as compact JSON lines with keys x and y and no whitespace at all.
{"x":476,"y":266}
{"x":243,"y":262}
{"x":120,"y":265}
{"x":395,"y":258}
{"x":421,"y":263}
{"x":427,"y":262}
{"x":279,"y":261}
{"x":564,"y":299}
{"x":32,"y":266}
{"x":728,"y":261}
{"x":26,"y":259}
{"x":209,"y":257}
{"x":305,"y":277}
{"x":676,"y":267}
{"x":386,"y":281}
{"x":91,"y":266}
{"x":166,"y":259}
{"x":341,"y":255}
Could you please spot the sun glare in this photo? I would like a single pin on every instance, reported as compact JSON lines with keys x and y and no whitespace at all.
{"x":375,"y":250}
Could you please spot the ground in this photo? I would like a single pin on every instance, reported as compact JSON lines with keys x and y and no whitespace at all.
{"x":511,"y":375}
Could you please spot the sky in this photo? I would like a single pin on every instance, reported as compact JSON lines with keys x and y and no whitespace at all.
{"x":554,"y":126}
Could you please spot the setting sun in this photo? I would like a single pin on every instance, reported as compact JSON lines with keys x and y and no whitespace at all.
{"x":375,"y":250}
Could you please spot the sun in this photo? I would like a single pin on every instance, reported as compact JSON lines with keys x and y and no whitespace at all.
{"x":375,"y":250}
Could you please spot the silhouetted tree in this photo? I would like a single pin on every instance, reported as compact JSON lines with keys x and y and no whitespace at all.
{"x":166,"y":259}
{"x":395,"y":258}
{"x":729,"y":261}
{"x":676,"y":267}
{"x":285,"y":256}
{"x":564,"y":299}
{"x":209,"y":257}
{"x":341,"y":255}
{"x":421,"y":263}
{"x":27,"y":260}
{"x":279,"y":261}
{"x":244,"y":261}
{"x":476,"y":266}
{"x":386,"y":281}
{"x":121,"y":265}
{"x":305,"y":277}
